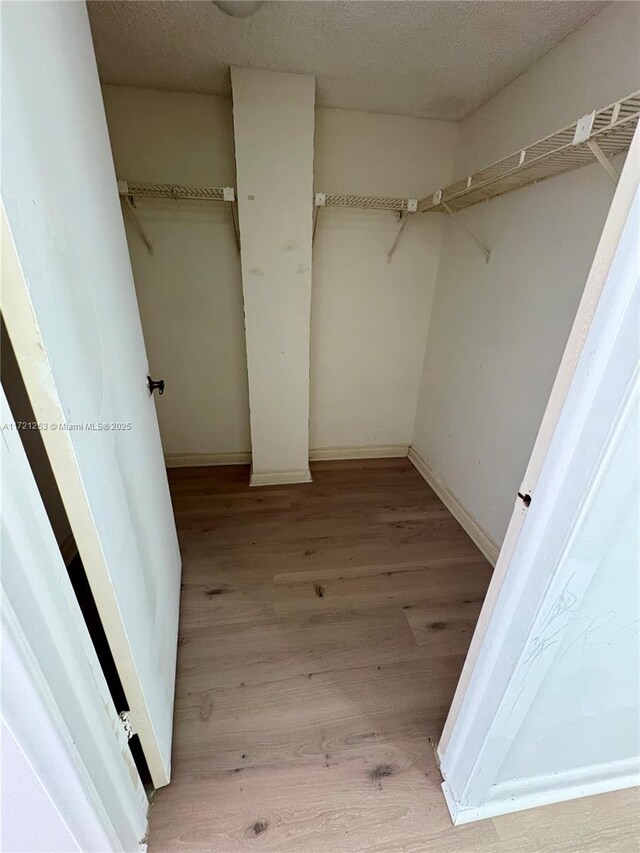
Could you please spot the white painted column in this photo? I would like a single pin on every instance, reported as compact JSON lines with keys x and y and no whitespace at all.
{"x":273,"y":116}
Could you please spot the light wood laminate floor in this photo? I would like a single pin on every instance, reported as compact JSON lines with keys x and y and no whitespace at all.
{"x":323,"y":628}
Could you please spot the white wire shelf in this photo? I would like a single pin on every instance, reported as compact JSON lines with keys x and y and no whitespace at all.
{"x":136,"y":189}
{"x":609,"y":132}
{"x":366,"y":202}
{"x":596,"y":137}
{"x":130,"y":191}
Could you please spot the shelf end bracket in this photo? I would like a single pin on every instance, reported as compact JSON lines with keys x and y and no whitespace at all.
{"x":485,"y":251}
{"x":128,"y":199}
{"x":412,"y":207}
{"x":319,"y":200}
{"x":604,"y":161}
{"x":582,"y":134}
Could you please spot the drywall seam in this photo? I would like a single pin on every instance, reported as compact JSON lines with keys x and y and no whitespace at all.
{"x":485,"y":543}
{"x":521,"y":794}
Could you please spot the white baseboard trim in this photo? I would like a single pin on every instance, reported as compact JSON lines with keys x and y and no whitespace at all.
{"x":279,"y":478}
{"x":193,"y":460}
{"x":522,"y":794}
{"x":367,"y":451}
{"x":485,"y":543}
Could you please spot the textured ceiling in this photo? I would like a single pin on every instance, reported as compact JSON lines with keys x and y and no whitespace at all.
{"x":428,"y":58}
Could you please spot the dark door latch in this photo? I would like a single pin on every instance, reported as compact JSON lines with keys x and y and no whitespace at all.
{"x":155,"y":385}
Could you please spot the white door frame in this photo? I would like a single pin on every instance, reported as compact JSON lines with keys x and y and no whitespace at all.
{"x":592,"y":383}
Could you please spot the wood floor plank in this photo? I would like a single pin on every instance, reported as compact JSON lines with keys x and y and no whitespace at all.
{"x":428,"y":583}
{"x":608,"y":823}
{"x":442,"y":624}
{"x":322,"y":631}
{"x":385,"y":802}
{"x":354,"y":570}
{"x":241,"y":654}
{"x":306,"y":716}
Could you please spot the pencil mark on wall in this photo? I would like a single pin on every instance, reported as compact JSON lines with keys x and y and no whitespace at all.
{"x":591,"y":636}
{"x":578,"y":631}
{"x":554,"y":624}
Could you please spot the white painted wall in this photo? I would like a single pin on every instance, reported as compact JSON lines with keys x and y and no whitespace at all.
{"x":497,"y":331}
{"x":590,"y":68}
{"x":369,"y":318}
{"x":273,"y":119}
{"x":190,"y":289}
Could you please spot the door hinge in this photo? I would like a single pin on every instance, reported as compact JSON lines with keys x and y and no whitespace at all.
{"x":127,"y":725}
{"x":155,"y":385}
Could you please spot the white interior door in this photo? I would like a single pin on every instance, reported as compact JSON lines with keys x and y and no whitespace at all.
{"x":596,"y":379}
{"x":70,"y":307}
{"x":603,"y":259}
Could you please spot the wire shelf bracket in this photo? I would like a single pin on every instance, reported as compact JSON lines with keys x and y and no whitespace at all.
{"x":582,"y":133}
{"x":437,"y":197}
{"x":604,"y":161}
{"x":404,"y":218}
{"x":131,"y":207}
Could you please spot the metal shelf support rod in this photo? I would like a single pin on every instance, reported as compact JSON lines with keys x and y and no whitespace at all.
{"x":486,"y":252}
{"x":604,"y":161}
